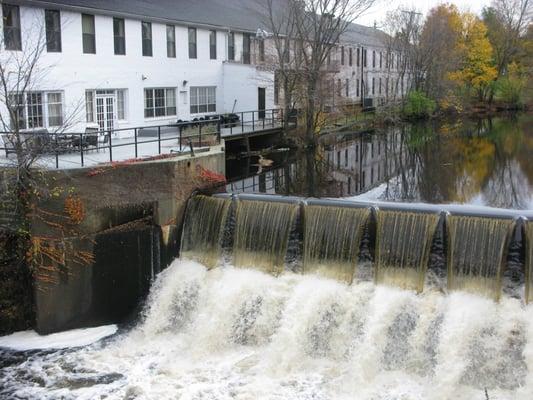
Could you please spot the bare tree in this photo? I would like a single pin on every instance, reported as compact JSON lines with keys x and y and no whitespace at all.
{"x":23,"y":69}
{"x":313,"y":28}
{"x":507,"y":22}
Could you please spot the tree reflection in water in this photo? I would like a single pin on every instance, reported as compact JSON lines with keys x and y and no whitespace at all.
{"x":476,"y":162}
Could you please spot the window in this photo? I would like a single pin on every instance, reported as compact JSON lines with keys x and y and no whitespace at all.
{"x":55,"y":109}
{"x":159,"y":102}
{"x":213,"y":45}
{"x":373,"y":59}
{"x":89,"y":105}
{"x":347,"y":87}
{"x":364,"y":58}
{"x":373,"y":85}
{"x":34,"y":107}
{"x":379,"y":87}
{"x":52,"y":21}
{"x":203,"y":99}
{"x":121,"y":104}
{"x":246,"y":48}
{"x":89,"y":35}
{"x":171,"y":41}
{"x":261,"y":45}
{"x":231,"y":46}
{"x":339,"y":87}
{"x":146,"y":28}
{"x":358,"y":57}
{"x":192,"y":43}
{"x":357,"y":87}
{"x":350,"y":56}
{"x":119,"y":35}
{"x":11,"y":20}
{"x":342,"y":55}
{"x":287,"y":51}
{"x":37,"y":110}
{"x":380,"y":60}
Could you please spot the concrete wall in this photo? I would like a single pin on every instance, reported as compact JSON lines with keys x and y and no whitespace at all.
{"x":96,"y":270}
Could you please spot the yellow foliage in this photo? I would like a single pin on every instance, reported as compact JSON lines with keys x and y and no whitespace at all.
{"x":477,"y":70}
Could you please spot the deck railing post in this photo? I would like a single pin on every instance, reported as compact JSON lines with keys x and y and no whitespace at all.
{"x":159,"y":139}
{"x":180,"y":136}
{"x":200,"y":135}
{"x":81,"y":148}
{"x":136,"y":150}
{"x":242,"y":122}
{"x":56,"y":151}
{"x":110,"y":147}
{"x":219,"y":133}
{"x":253,"y":121}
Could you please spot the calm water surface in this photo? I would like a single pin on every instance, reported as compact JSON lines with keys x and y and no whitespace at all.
{"x":482,"y":162}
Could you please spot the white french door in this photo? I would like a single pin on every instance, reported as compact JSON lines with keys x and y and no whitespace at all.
{"x":105,"y":111}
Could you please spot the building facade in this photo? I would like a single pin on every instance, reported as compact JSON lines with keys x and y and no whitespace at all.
{"x":127,"y":64}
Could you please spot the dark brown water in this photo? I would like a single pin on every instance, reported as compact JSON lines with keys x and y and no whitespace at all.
{"x":482,"y":162}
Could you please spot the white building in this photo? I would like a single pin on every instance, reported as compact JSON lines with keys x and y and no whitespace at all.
{"x":125,"y":64}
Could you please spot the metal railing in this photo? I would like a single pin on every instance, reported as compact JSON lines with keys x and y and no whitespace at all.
{"x":151,"y":139}
{"x":251,"y":121}
{"x":141,"y":142}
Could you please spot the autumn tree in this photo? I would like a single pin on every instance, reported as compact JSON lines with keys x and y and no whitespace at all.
{"x":476,"y":70}
{"x":439,"y":48}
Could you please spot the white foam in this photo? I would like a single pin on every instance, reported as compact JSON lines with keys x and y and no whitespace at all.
{"x":233,"y":333}
{"x":31,"y":340}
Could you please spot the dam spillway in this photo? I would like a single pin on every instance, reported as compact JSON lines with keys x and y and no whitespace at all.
{"x":474,"y":242}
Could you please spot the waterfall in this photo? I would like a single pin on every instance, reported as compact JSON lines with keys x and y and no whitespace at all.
{"x":203,"y":227}
{"x":403,"y":247}
{"x":476,"y":248}
{"x":332,"y":237}
{"x":529,"y":262}
{"x":262,"y":231}
{"x":233,"y":333}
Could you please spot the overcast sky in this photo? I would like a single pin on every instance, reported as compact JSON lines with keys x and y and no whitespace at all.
{"x":379,"y":10}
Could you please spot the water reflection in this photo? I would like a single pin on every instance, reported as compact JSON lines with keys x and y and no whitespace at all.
{"x":485,"y":162}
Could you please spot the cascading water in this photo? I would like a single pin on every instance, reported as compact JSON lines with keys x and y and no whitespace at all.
{"x":261,"y":234}
{"x":233,"y":333}
{"x":332,"y":237}
{"x":236,"y":333}
{"x":403,"y":247}
{"x":203,"y":228}
{"x":476,"y":253}
{"x":529,"y":262}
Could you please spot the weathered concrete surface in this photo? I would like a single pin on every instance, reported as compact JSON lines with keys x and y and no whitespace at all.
{"x":100,"y":235}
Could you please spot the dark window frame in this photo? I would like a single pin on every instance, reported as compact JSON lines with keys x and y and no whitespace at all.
{"x":350,"y":57}
{"x":171,"y":41}
{"x":119,"y":38}
{"x":52,"y":21}
{"x":231,"y":46}
{"x":246,"y":48}
{"x":146,"y":36}
{"x":212,"y":44}
{"x":193,"y":43}
{"x":12,"y":32}
{"x":88,"y":38}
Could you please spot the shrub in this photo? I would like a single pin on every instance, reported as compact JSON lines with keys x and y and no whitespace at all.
{"x":509,"y":91}
{"x":418,"y":106}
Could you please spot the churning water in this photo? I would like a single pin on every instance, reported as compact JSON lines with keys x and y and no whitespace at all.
{"x":233,"y":333}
